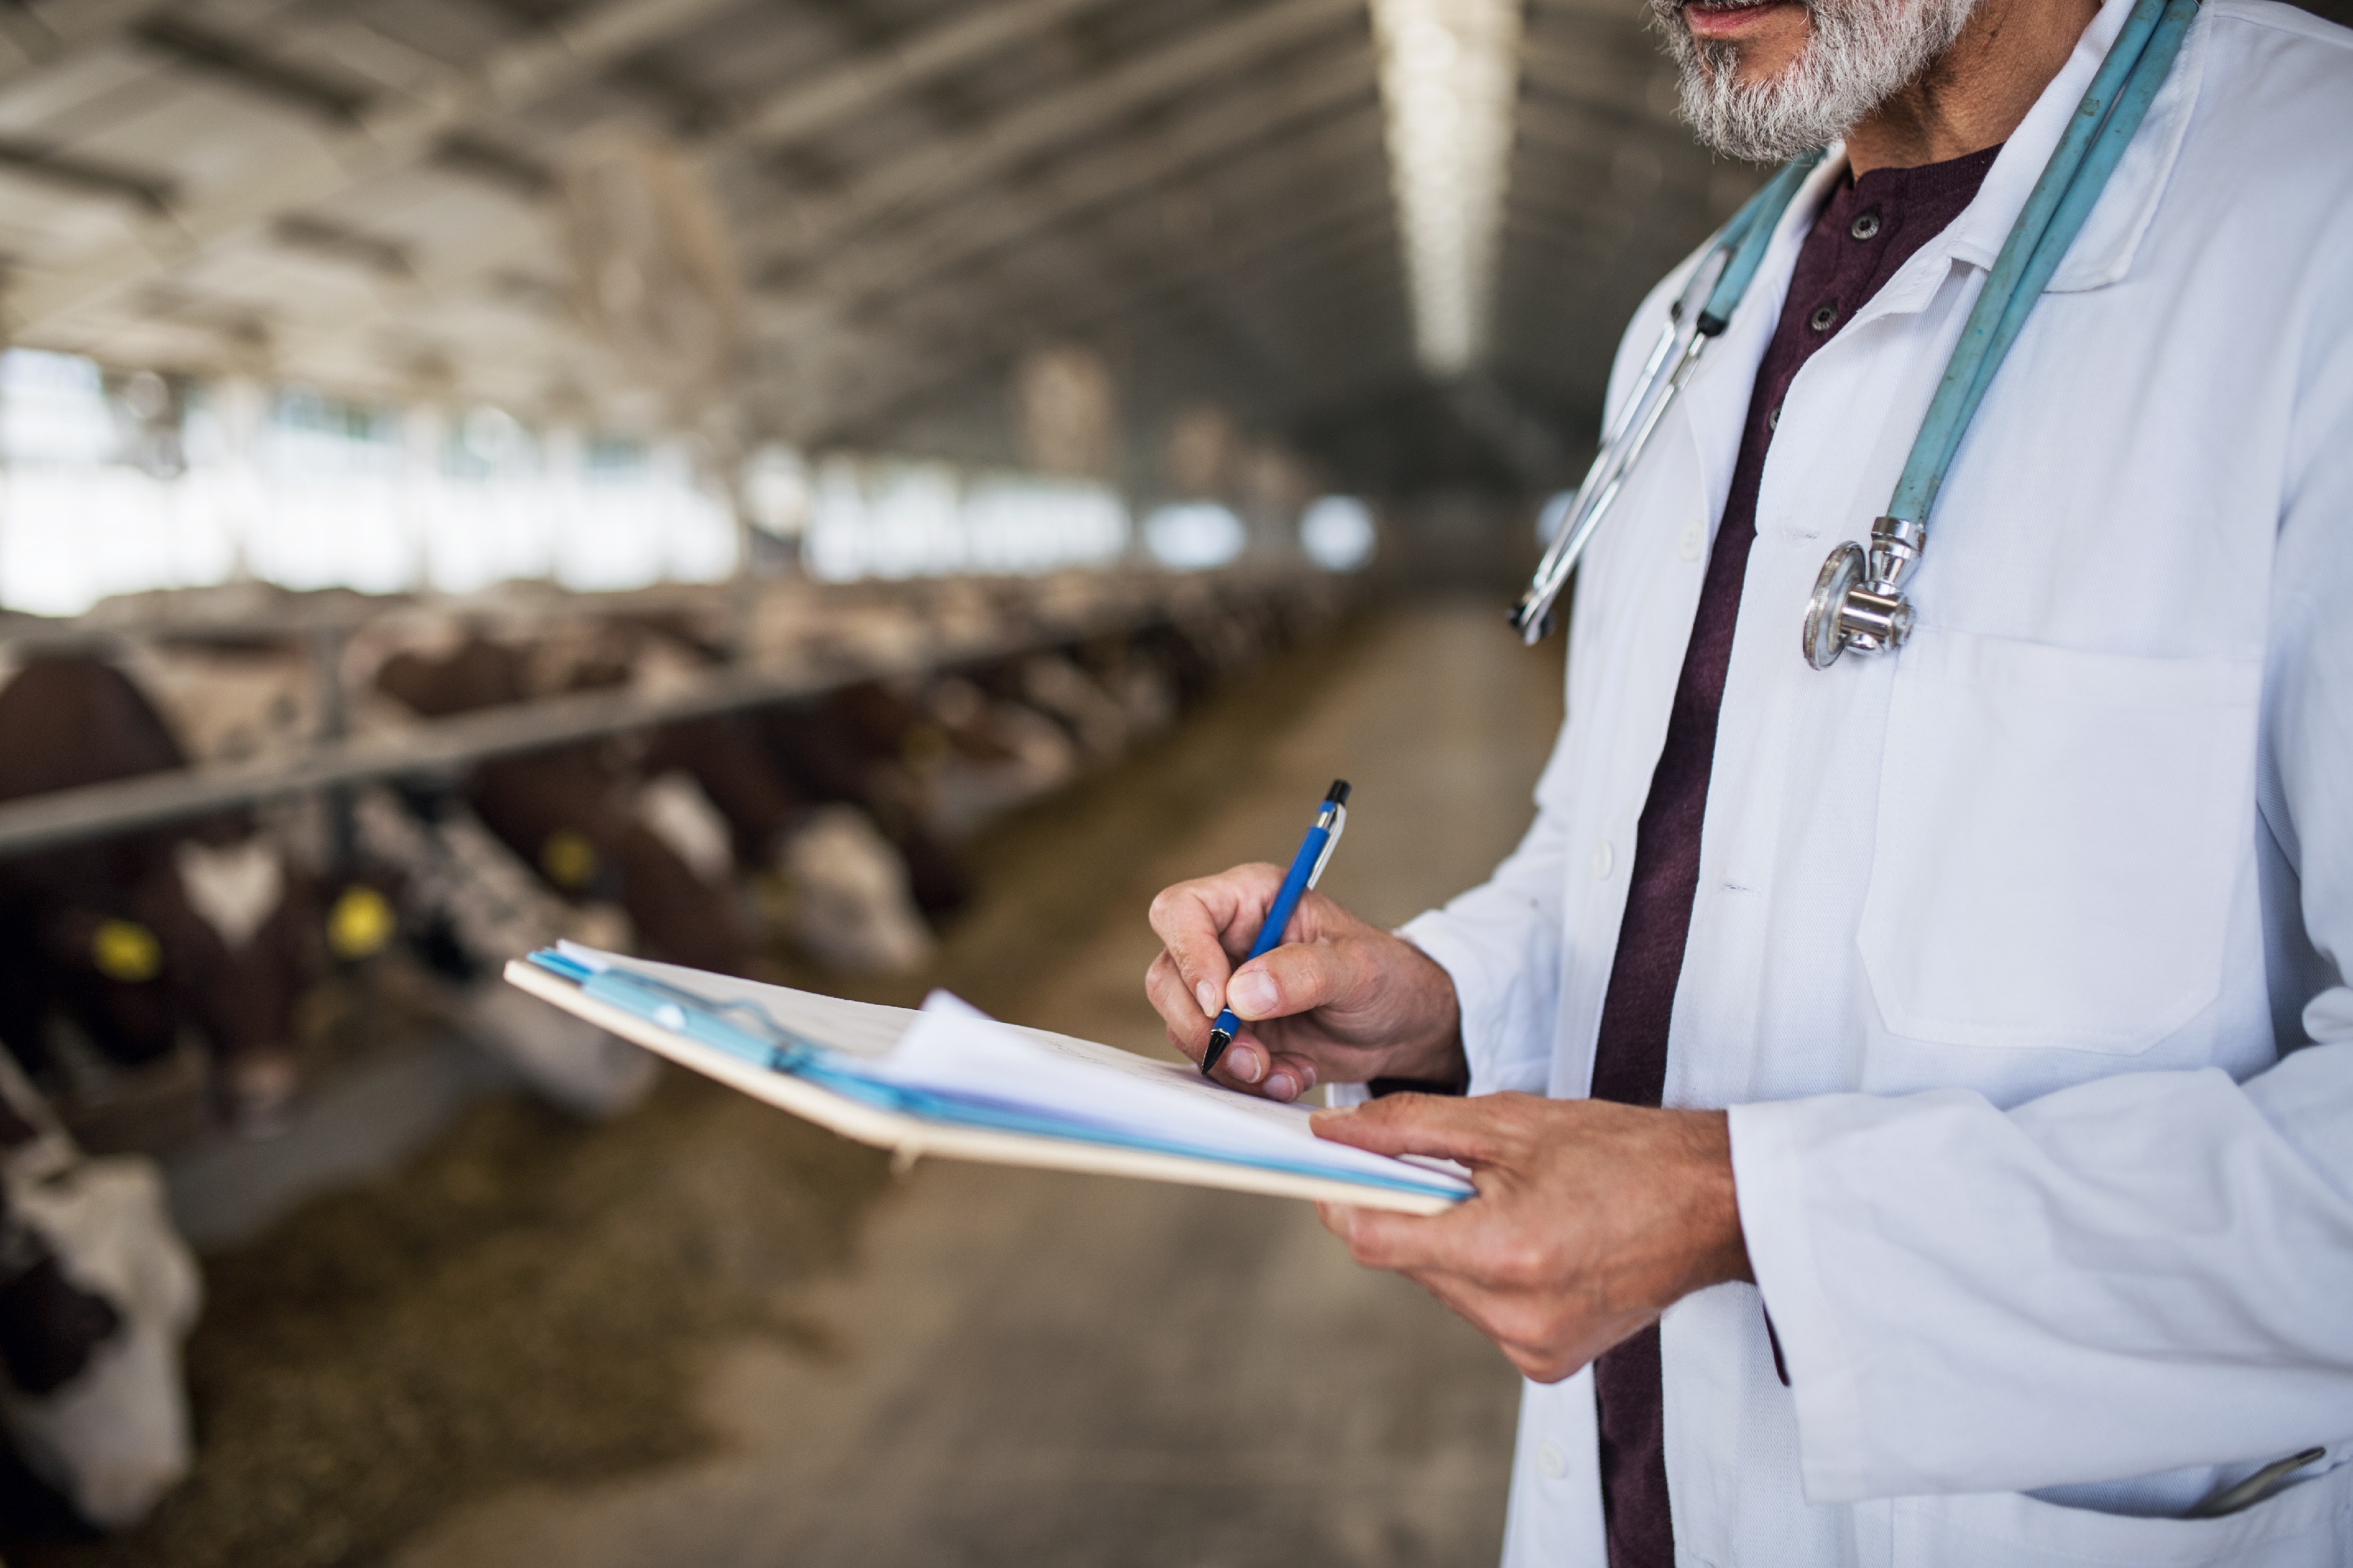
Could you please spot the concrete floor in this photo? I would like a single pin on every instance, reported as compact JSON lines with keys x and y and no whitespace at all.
{"x":1041,"y":1370}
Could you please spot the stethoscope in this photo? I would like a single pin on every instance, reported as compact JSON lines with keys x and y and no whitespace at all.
{"x":1858,"y":601}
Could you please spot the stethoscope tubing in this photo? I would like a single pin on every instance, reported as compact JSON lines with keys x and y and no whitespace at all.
{"x":2094,"y":143}
{"x":1709,"y":299}
{"x":2104,"y":125}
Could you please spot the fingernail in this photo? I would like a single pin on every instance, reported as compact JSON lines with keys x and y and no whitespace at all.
{"x":1277,"y":1086}
{"x":1245,"y":1063}
{"x":1208,"y":993}
{"x":1253,"y":995}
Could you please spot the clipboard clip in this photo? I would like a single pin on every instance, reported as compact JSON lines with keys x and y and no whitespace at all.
{"x":740,"y":1028}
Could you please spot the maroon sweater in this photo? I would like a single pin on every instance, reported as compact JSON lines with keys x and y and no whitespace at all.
{"x":1870,"y":228}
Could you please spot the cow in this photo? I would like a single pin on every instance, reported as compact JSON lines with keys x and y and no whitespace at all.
{"x":97,"y":1293}
{"x":996,"y":755}
{"x":263,"y":893}
{"x":865,"y":745}
{"x":138,"y":936}
{"x":568,"y":811}
{"x":1052,"y":682}
{"x":791,"y":790}
{"x":465,"y":905}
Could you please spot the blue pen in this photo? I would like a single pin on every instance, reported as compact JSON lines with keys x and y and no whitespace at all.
{"x":1314,"y":853}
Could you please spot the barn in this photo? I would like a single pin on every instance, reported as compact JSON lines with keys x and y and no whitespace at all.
{"x":852,"y":495}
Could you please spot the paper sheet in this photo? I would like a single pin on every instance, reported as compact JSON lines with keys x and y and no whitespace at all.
{"x":955,"y":1048}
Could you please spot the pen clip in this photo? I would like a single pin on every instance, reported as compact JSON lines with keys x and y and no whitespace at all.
{"x":1331,"y":842}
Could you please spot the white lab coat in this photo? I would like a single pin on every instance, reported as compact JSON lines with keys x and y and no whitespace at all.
{"x":2020,"y":957}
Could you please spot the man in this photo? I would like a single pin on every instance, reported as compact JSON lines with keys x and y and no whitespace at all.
{"x":1946,"y":1154}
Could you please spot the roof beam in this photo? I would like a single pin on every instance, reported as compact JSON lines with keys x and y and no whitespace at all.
{"x":1358,"y":253}
{"x":1262,"y":261}
{"x":1581,"y":166}
{"x":938,"y":169}
{"x":495,"y":162}
{"x":83,"y":174}
{"x":874,"y":386}
{"x":1238,"y":270}
{"x":1354,"y":292}
{"x":511,"y":79}
{"x":225,"y":57}
{"x":801,"y":107}
{"x":834,"y":355}
{"x":923,"y":375}
{"x":1598,"y":78}
{"x":1315,"y":149}
{"x":849,"y":360}
{"x":1577,"y":119}
{"x":1230,"y":289}
{"x":385,"y":256}
{"x":1009,"y":214}
{"x":38,"y":33}
{"x":1302,"y":160}
{"x":380,"y":138}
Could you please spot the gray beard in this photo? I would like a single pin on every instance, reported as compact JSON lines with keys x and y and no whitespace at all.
{"x":1861,"y":54}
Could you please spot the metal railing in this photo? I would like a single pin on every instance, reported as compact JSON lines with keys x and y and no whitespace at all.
{"x":443,"y":748}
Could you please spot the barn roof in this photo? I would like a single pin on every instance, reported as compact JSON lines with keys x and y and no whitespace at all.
{"x":361,"y":194}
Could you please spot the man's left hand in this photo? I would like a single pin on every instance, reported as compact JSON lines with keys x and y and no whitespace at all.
{"x":1592,"y":1218}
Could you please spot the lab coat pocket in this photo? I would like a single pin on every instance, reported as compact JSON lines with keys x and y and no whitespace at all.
{"x":2309,"y":1525}
{"x":2058,"y":838}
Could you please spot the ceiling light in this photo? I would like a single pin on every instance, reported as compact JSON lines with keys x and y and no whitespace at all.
{"x":1449,"y":75}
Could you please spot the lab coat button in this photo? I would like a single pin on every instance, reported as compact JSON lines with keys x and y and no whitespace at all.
{"x":1693,"y":539}
{"x":1551,"y":1460}
{"x":1603,"y":858}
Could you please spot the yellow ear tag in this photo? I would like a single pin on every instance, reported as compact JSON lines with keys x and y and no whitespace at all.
{"x":126,"y":950}
{"x":360,"y":923}
{"x":568,"y":859}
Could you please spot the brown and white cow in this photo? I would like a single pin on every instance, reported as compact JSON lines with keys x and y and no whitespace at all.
{"x":264,"y":894}
{"x":465,"y":905}
{"x":568,"y":811}
{"x":97,"y":1292}
{"x":203,"y":924}
{"x":706,"y":792}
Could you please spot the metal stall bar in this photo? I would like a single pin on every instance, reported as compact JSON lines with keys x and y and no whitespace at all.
{"x":442,"y":747}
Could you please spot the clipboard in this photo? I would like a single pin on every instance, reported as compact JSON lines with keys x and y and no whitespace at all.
{"x":759,"y":1039}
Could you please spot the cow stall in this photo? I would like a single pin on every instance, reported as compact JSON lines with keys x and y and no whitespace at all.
{"x":251,"y":840}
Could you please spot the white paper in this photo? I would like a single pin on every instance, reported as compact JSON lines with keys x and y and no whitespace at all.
{"x":956,"y":1048}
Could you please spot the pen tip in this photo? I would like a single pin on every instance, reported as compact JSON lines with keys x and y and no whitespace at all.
{"x":1219,"y":1041}
{"x":1338,"y":794}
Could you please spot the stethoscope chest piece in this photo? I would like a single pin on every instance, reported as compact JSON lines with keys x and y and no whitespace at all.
{"x":1857,"y":603}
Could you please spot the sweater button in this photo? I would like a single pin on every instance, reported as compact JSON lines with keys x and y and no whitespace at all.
{"x":1551,"y":1460}
{"x":1603,"y":858}
{"x":1823,"y":320}
{"x":1865,"y":226}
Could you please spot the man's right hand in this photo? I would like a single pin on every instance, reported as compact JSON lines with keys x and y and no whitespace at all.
{"x":1340,"y":1002}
